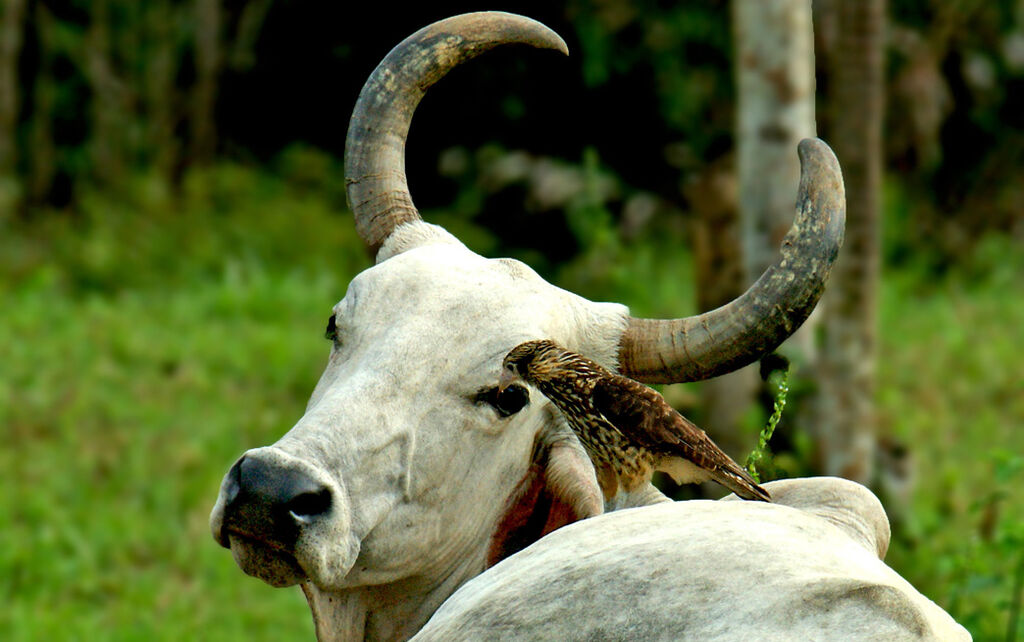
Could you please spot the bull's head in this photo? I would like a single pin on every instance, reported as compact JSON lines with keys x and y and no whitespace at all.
{"x":409,"y":473}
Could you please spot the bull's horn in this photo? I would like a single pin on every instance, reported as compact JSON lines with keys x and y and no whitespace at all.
{"x":740,"y":332}
{"x":375,"y":148}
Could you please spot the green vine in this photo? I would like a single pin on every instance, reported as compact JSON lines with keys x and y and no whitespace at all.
{"x":769,"y":366}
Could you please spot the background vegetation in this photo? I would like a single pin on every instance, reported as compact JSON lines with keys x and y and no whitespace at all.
{"x":173,"y":234}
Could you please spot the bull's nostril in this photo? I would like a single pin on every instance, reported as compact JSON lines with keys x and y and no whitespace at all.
{"x":309,"y":504}
{"x":233,"y":484}
{"x":268,"y":501}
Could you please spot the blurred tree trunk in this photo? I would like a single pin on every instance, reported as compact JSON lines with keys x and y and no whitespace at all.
{"x":243,"y":45}
{"x":11,"y":23}
{"x":208,"y":63}
{"x":720,"y":274}
{"x":109,"y":115}
{"x":162,"y":102}
{"x":42,"y":157}
{"x":775,"y":88}
{"x":845,"y":405}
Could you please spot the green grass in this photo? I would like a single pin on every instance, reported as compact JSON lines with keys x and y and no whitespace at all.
{"x":142,"y":355}
{"x":147,"y":342}
{"x":952,"y":387}
{"x":120,"y":415}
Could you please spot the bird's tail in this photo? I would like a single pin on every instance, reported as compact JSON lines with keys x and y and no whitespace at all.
{"x":740,"y":482}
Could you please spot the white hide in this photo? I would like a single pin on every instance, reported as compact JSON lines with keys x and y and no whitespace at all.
{"x":418,"y":469}
{"x":806,"y":567}
{"x":421,"y":473}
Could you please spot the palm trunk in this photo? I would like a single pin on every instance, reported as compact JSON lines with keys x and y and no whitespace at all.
{"x":718,"y":260}
{"x":846,"y":410}
{"x":775,"y":88}
{"x":775,"y":78}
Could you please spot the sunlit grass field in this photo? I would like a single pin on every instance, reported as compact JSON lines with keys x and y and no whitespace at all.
{"x":147,"y":342}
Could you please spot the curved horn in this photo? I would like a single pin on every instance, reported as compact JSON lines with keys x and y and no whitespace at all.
{"x":375,"y":147}
{"x":740,"y":332}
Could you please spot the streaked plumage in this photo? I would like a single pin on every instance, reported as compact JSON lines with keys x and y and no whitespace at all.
{"x":628,"y":429}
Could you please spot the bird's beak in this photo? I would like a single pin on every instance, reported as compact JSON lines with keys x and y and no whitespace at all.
{"x":507,"y":377}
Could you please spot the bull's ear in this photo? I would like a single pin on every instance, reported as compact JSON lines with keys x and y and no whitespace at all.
{"x":560,"y":488}
{"x":570,"y":478}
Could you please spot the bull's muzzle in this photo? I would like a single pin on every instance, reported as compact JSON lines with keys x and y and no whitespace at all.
{"x":271,"y":504}
{"x":266,"y":505}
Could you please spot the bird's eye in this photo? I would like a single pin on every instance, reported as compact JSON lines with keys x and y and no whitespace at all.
{"x":331,"y":333}
{"x":508,"y":402}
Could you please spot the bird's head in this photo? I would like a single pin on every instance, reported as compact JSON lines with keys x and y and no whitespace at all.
{"x":517,"y":362}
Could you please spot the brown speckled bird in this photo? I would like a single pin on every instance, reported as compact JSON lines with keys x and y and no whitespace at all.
{"x":628,"y":429}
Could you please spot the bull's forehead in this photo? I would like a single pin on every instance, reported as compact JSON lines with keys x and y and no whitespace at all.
{"x":445,"y":297}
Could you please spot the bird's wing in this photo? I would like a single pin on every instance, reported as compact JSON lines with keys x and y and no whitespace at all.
{"x":645,"y":418}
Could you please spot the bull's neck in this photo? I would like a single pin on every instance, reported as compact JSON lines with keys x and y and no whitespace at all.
{"x":389,"y":612}
{"x":338,"y":616}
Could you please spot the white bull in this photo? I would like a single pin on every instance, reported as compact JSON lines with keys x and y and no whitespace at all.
{"x":806,"y":568}
{"x":408,"y":476}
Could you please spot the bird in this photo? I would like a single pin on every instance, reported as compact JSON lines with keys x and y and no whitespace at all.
{"x":628,"y":429}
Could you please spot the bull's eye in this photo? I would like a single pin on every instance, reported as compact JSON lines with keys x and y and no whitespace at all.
{"x":507,"y":403}
{"x":331,"y":333}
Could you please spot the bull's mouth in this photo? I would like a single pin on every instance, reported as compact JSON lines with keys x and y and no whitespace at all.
{"x":267,"y":561}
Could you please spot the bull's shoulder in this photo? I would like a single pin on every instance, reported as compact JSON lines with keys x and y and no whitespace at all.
{"x":704,"y":570}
